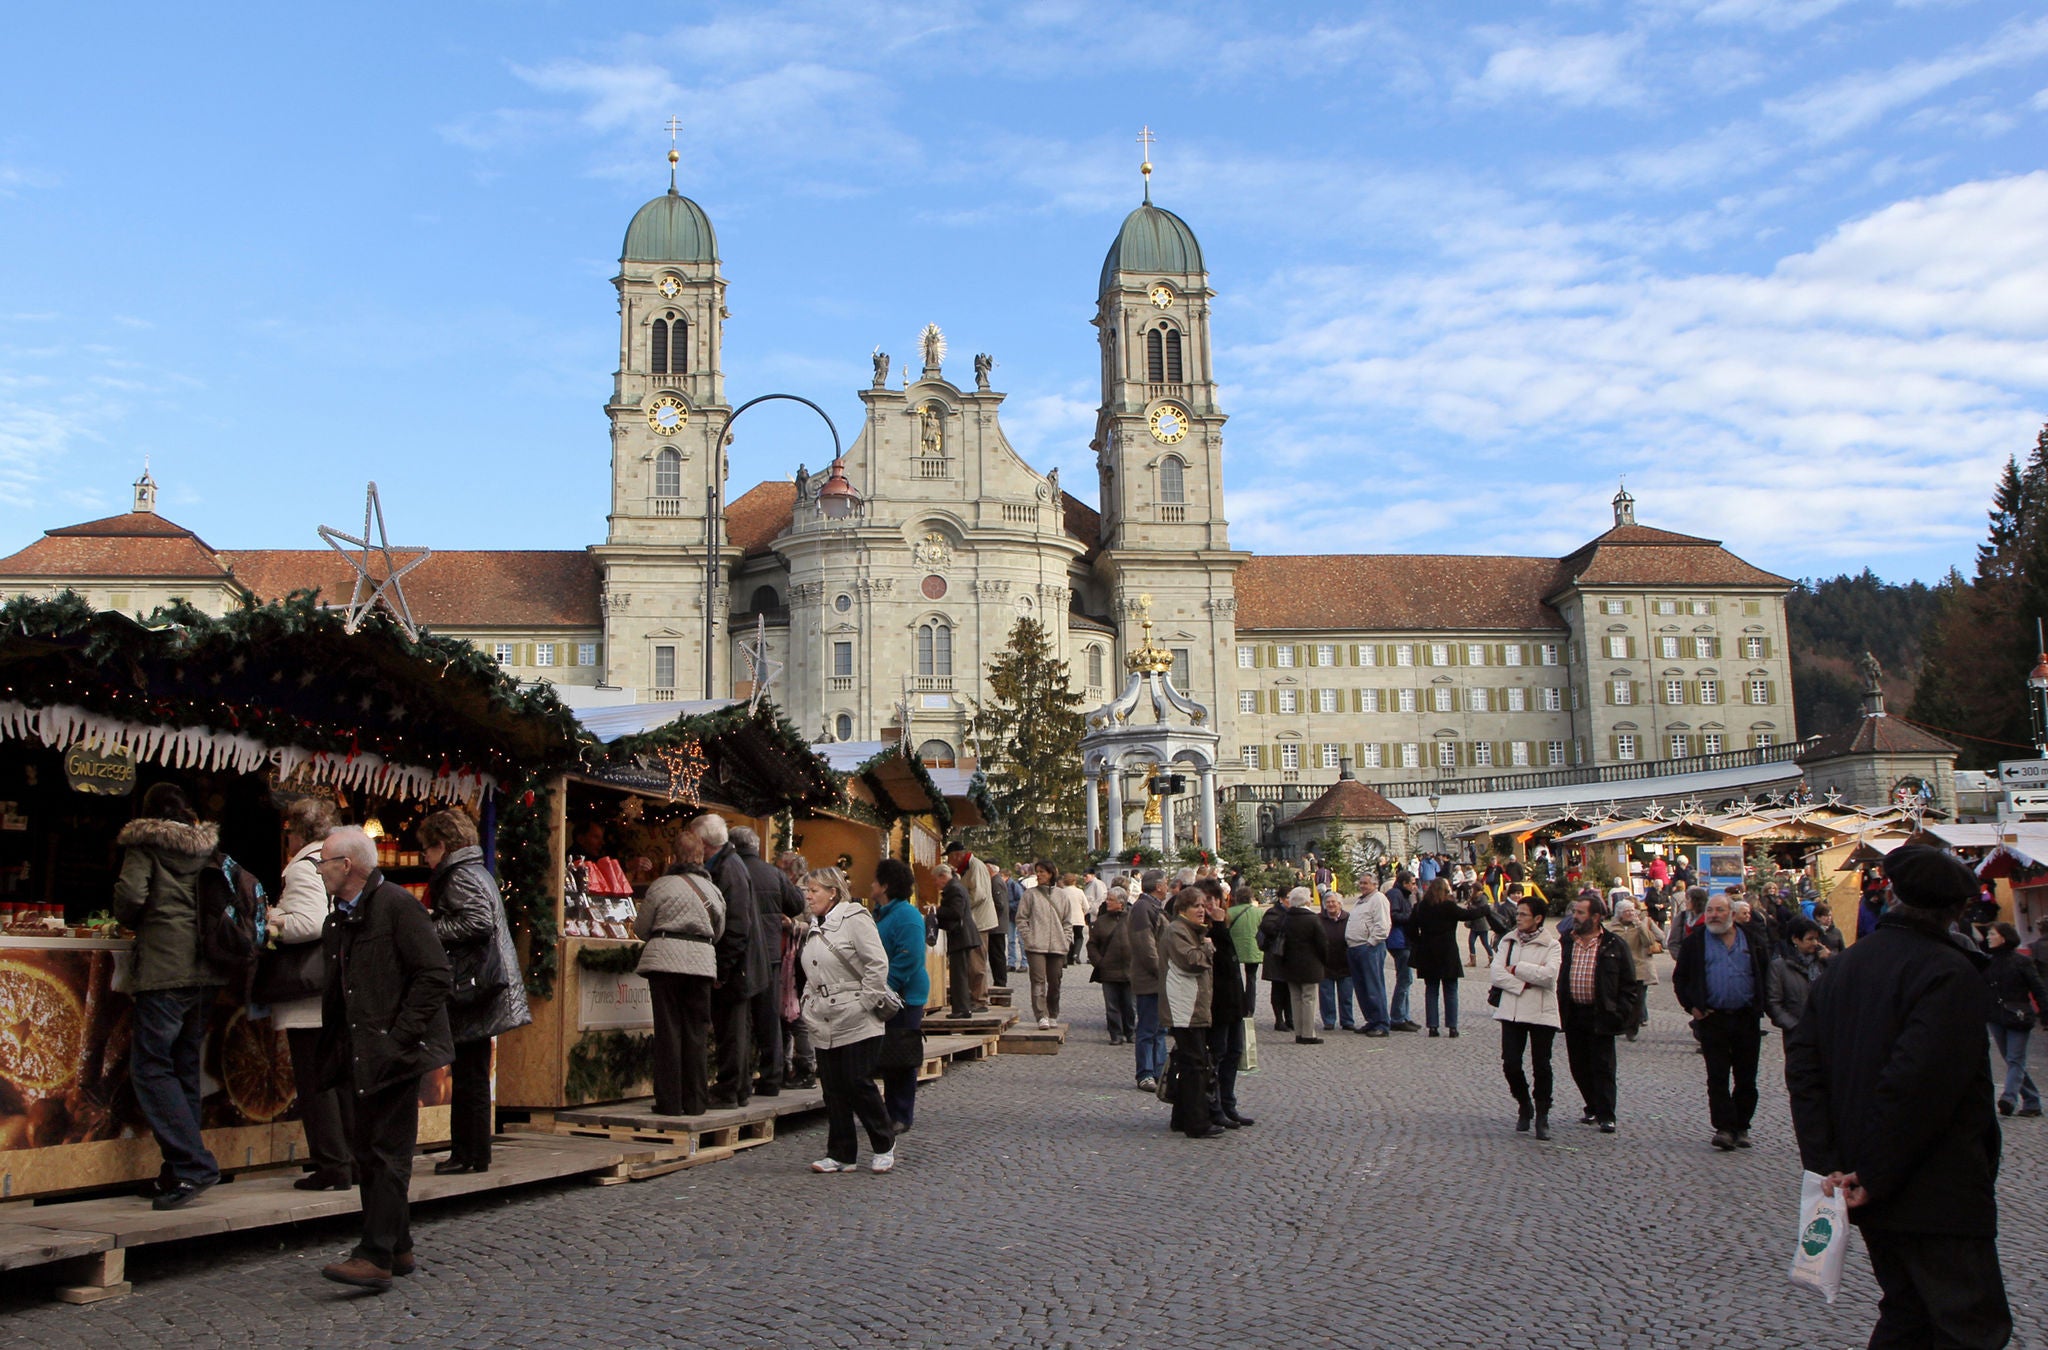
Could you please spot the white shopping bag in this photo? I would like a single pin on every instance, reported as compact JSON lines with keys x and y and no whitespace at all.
{"x":1823,"y":1238}
{"x":1250,"y":1062}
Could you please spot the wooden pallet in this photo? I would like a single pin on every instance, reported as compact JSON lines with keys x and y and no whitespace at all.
{"x":1022,"y":1040}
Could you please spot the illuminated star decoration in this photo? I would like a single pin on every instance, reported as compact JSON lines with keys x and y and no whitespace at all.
{"x":685,"y":765}
{"x":1833,"y":798}
{"x":1689,"y":807}
{"x":763,"y":669}
{"x":389,"y":591}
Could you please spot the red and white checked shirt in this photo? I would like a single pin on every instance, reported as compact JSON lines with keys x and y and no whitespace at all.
{"x":1585,"y":963}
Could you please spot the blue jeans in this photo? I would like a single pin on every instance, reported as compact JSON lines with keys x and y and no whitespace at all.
{"x":1403,"y":978}
{"x":1336,"y":1003}
{"x":2019,"y":1084}
{"x":163,"y":1067}
{"x":1448,"y":990}
{"x":1369,"y":982}
{"x":1013,"y":950}
{"x":1151,"y":1040}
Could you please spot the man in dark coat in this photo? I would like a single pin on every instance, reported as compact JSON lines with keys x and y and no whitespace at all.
{"x":1892,"y":1101}
{"x":956,"y":921}
{"x":779,"y":902}
{"x":745,"y":967}
{"x":384,"y":1023}
{"x":1597,"y":1000}
{"x":1722,"y":971}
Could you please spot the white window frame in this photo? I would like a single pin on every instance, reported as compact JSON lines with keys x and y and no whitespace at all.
{"x":1326,"y":653}
{"x":1518,"y":754}
{"x":1287,"y":701}
{"x":586,"y":653}
{"x":1368,"y":654}
{"x":504,"y":652}
{"x":1482,"y":754}
{"x":1247,"y":700}
{"x":1290,"y":756}
{"x":1369,"y":700}
{"x":1479,"y":699}
{"x":1710,"y":743}
{"x":1372,"y":756}
{"x":1752,"y":649}
{"x":1547,"y":654}
{"x":1439,"y":653}
{"x":1250,"y":755}
{"x":1617,"y":648}
{"x":1624,"y":692}
{"x":1710,"y":690}
{"x":1411,"y":755}
{"x":1405,"y":700}
{"x":1404,"y":653}
{"x":1511,"y":655}
{"x":1759,"y":693}
{"x":1446,"y":754}
{"x":1667,"y":649}
{"x":1764,"y":740}
{"x":1553,"y":699}
{"x":1679,"y":746}
{"x":1518,"y":699}
{"x":1440,"y":698}
{"x":1326,"y":700}
{"x":1331,"y":754}
{"x":1283,"y":656}
{"x":655,"y":667}
{"x":1625,"y":745}
{"x":1667,"y":607}
{"x":1553,"y":753}
{"x":1246,"y":658}
{"x":839,"y":649}
{"x":1674,"y":693}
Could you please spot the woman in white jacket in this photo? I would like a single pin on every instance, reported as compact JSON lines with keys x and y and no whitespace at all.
{"x":295,"y":921}
{"x":1525,"y":969}
{"x":846,"y":1001}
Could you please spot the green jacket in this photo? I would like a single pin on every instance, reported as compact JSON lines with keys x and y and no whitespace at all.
{"x":1244,"y":933}
{"x":157,"y":894}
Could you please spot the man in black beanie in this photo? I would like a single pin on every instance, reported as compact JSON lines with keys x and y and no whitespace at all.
{"x":1892,"y":1102}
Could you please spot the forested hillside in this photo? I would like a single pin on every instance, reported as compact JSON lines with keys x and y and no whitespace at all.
{"x":1832,"y":622}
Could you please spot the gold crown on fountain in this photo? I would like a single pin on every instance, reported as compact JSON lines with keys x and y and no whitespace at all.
{"x":1148,"y":659}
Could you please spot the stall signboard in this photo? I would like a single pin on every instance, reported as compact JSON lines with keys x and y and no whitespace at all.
{"x":633,"y":776}
{"x":1720,"y":867}
{"x":614,"y":1003}
{"x":108,"y":772}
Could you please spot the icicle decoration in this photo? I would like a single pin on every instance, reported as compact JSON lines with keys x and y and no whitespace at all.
{"x":61,"y":726}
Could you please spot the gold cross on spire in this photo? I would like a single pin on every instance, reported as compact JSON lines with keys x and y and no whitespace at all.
{"x":1145,"y":140}
{"x":675,"y":124}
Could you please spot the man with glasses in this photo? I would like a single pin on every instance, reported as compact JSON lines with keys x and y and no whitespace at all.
{"x":384,"y":1023}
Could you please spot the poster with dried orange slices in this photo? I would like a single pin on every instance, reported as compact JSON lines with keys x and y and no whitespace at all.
{"x":66,"y":1012}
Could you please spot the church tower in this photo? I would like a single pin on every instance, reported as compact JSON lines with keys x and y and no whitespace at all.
{"x":666,"y":410}
{"x":1159,"y":452}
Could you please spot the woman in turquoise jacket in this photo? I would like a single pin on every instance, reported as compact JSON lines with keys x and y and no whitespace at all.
{"x":902,"y":926}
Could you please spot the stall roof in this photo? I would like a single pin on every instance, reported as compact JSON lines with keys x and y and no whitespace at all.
{"x":967,"y":793}
{"x":1870,"y":850}
{"x":1963,"y":836}
{"x":634,"y":719}
{"x":1496,"y":828}
{"x":899,"y":780}
{"x":752,"y":759}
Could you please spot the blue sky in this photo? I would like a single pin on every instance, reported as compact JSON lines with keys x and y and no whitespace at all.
{"x":1782,"y":262}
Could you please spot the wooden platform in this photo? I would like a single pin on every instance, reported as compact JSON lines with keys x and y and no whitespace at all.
{"x":1029,"y":1040}
{"x":82,"y":1244}
{"x":987,"y":1023}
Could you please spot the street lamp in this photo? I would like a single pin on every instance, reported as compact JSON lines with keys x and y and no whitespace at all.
{"x":2037,"y":700}
{"x":1436,"y":826}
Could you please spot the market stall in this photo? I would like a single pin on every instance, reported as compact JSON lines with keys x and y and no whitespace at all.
{"x":243,"y":713}
{"x":578,"y":849}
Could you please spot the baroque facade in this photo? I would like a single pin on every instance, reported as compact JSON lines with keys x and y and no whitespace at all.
{"x":885,"y":584}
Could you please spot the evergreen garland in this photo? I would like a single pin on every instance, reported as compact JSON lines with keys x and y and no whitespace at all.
{"x":606,"y":1066}
{"x":608,"y":959}
{"x":523,"y":866}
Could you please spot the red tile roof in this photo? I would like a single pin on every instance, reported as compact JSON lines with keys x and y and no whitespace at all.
{"x":461,"y":588}
{"x":1384,"y":592}
{"x":1877,"y":736}
{"x":759,"y":515}
{"x":136,"y":544}
{"x":1349,"y":799}
{"x":1083,"y":521}
{"x":1637,"y":555}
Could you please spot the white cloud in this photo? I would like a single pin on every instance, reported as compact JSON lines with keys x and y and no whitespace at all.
{"x":1851,"y":402}
{"x":1590,"y":70}
{"x":1775,"y":15}
{"x":1840,"y":107}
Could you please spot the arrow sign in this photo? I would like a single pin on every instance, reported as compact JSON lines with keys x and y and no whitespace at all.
{"x":2023,"y":773}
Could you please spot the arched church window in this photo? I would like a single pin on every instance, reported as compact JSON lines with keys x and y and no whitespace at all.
{"x":1172,"y":481}
{"x":657,"y":348}
{"x":1155,"y":356}
{"x":1095,"y":665}
{"x":934,"y":649}
{"x":668,"y":349}
{"x":668,"y":473}
{"x":844,"y":727}
{"x":937,"y":754}
{"x":1173,"y":366}
{"x":765,"y":600}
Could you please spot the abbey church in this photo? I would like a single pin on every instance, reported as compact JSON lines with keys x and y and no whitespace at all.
{"x":886,"y":582}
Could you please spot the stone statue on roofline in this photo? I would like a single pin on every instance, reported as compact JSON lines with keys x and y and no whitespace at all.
{"x":881,"y":360}
{"x":1873,"y":673}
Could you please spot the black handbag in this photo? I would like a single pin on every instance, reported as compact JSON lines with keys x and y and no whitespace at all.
{"x":479,"y":971}
{"x":902,"y":1048}
{"x":286,"y":974}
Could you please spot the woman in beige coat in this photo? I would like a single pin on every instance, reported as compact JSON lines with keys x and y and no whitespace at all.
{"x":682,"y":916}
{"x":1044,"y":929}
{"x":1524,"y":973}
{"x":296,"y":919}
{"x":847,"y":1000}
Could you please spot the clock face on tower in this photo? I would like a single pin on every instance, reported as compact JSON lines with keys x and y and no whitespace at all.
{"x":668,"y":414}
{"x":1162,"y":294}
{"x":1169,"y":424}
{"x":669,"y":286}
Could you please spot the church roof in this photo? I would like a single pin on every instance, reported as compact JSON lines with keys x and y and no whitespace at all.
{"x":671,"y":228}
{"x":1349,"y":799}
{"x":757,"y":516}
{"x":133,"y":544}
{"x":1637,"y":555}
{"x":1880,"y":735}
{"x":1083,"y":521}
{"x":1152,"y":240}
{"x":1395,"y":592}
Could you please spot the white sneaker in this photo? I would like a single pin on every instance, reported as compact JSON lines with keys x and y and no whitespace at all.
{"x":882,"y":1162}
{"x":1045,"y":1024}
{"x":832,"y":1165}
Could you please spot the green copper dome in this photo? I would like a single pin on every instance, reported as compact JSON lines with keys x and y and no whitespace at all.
{"x":1152,"y":240}
{"x":671,"y":228}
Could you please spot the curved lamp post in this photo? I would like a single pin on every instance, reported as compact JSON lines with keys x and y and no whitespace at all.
{"x":714,"y":493}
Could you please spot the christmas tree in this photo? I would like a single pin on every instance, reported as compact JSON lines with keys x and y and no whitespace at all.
{"x":1028,"y":736}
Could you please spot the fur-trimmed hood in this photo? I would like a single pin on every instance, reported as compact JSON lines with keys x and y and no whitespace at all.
{"x":171,"y":837}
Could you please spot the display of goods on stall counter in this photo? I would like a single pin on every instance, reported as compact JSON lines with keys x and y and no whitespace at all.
{"x":604,"y":876}
{"x":66,"y":1026}
{"x":48,"y":921}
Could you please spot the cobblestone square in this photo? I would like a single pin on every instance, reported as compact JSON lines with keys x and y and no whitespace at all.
{"x":1383,"y":1199}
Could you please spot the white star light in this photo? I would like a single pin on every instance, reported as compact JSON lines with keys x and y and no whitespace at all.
{"x":388,"y":591}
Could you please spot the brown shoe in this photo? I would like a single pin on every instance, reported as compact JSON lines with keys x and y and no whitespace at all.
{"x":403,"y":1263}
{"x":359,"y":1272}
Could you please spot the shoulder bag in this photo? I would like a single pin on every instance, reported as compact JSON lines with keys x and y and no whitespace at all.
{"x":477,"y":966}
{"x":1493,"y":994}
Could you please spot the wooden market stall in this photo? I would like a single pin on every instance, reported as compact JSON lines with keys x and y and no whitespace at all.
{"x":578,"y":849}
{"x":245,"y":713}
